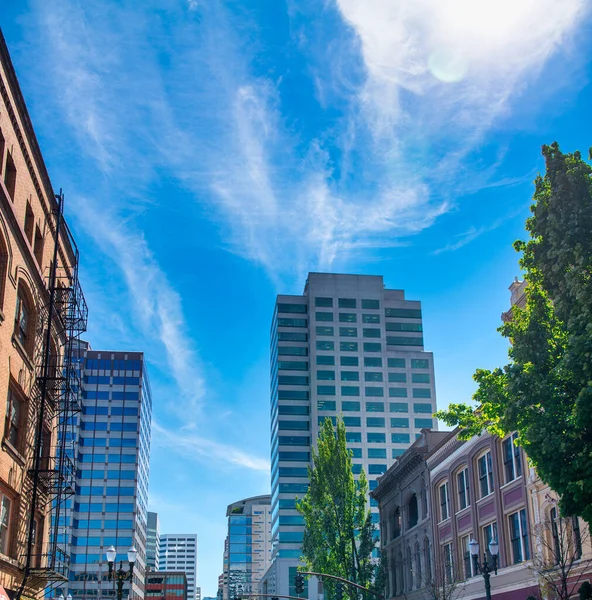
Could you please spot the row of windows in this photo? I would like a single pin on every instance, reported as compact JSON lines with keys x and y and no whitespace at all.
{"x":373,"y":361}
{"x":401,"y":313}
{"x":102,"y":458}
{"x":347,"y":303}
{"x":329,"y":346}
{"x":112,"y":365}
{"x":116,"y":442}
{"x":98,"y":490}
{"x":100,"y":524}
{"x":354,"y":390}
{"x":98,"y":507}
{"x":354,"y":406}
{"x":378,"y":422}
{"x":485,"y":475}
{"x":116,"y":411}
{"x":354,"y":437}
{"x":113,"y":426}
{"x":329,"y":375}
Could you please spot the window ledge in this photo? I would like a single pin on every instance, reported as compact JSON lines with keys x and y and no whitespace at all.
{"x":4,"y":558}
{"x":465,"y":509}
{"x":16,"y":455}
{"x":23,"y":352}
{"x":490,"y":495}
{"x":511,"y":482}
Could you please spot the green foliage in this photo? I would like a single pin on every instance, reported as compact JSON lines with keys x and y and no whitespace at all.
{"x":545,"y":391}
{"x":338,"y":539}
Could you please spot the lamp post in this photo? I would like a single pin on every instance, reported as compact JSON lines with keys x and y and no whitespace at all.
{"x":485,"y":567}
{"x":120,"y":576}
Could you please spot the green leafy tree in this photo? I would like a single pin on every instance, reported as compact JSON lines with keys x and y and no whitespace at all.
{"x":339,"y":533}
{"x":545,"y":391}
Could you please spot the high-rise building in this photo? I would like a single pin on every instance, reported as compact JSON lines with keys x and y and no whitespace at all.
{"x":248,"y":550}
{"x":113,"y":446}
{"x":178,"y":552}
{"x":348,"y":347}
{"x":152,"y":541}
{"x":42,"y":312}
{"x":197,"y":593}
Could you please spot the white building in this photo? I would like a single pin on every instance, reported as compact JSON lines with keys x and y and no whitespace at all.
{"x":178,"y":552}
{"x":347,"y":346}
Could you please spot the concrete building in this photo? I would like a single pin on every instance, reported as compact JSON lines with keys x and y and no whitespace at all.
{"x":197,"y":593}
{"x":110,"y":507}
{"x":152,"y":541}
{"x":249,"y":545}
{"x":403,"y":494}
{"x":178,"y":552}
{"x":346,"y":346}
{"x":38,"y":283}
{"x":166,"y":585}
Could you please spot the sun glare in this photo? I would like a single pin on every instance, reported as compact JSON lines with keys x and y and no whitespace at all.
{"x":466,"y":30}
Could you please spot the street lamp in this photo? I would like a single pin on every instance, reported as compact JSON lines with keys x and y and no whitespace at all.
{"x":120,"y":575}
{"x":485,"y":568}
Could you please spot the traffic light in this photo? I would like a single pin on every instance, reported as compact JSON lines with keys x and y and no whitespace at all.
{"x":299,"y":583}
{"x":339,"y":591}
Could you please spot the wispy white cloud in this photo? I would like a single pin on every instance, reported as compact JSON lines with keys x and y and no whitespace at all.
{"x":156,"y":304}
{"x":435,"y":75}
{"x":194,"y":446}
{"x":472,"y":233}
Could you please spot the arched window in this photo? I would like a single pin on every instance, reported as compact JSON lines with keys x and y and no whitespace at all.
{"x":409,"y":565}
{"x":396,"y":523}
{"x":418,"y":580}
{"x":3,"y":266}
{"x":399,"y":578}
{"x":24,"y":319}
{"x":428,"y":560}
{"x":412,"y":512}
{"x":424,"y":500}
{"x":390,"y":579}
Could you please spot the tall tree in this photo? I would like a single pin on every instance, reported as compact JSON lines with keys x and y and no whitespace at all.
{"x":339,"y":533}
{"x":545,"y":391}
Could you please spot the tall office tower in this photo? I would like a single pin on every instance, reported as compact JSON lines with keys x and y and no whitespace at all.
{"x":348,"y":347}
{"x":197,"y":593}
{"x":152,"y":541}
{"x":178,"y":552}
{"x":113,"y":445}
{"x":248,"y":554}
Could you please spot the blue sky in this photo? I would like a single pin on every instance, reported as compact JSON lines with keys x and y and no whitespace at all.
{"x":212,"y":153}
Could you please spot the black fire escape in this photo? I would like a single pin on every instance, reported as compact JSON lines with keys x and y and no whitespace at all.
{"x":56,"y":398}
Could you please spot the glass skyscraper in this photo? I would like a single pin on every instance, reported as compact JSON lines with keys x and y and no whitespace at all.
{"x":249,"y":545}
{"x":152,"y":541}
{"x":347,"y":347}
{"x":113,"y":452}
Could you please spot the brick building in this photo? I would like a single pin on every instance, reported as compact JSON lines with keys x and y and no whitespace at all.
{"x":166,"y":585}
{"x":38,"y":283}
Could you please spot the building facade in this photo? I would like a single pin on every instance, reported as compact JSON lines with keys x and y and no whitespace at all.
{"x":478,"y":491}
{"x":41,"y":311}
{"x":249,"y":545}
{"x":152,"y":541}
{"x":178,"y":552}
{"x":110,"y":507}
{"x":403,"y":494}
{"x":346,"y":346}
{"x":166,"y":585}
